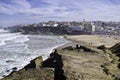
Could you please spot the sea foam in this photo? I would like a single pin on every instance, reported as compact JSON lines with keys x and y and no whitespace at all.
{"x":18,"y":50}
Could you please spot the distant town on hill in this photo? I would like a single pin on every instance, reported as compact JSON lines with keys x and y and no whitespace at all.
{"x":72,"y":28}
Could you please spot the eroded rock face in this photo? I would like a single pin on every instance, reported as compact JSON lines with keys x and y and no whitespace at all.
{"x":79,"y":65}
{"x":34,"y":64}
{"x":55,"y":61}
{"x":76,"y":65}
{"x":32,"y":71}
{"x":115,"y":48}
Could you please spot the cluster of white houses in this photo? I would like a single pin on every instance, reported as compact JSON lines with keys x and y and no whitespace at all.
{"x":73,"y":26}
{"x":94,"y":27}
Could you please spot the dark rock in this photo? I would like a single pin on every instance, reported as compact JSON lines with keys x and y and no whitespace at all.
{"x":68,"y":48}
{"x":10,"y":61}
{"x":102,"y":47}
{"x":118,"y":66}
{"x":77,"y":46}
{"x":31,"y":65}
{"x":14,"y":69}
{"x":86,"y":49}
{"x":115,"y":48}
{"x":7,"y":70}
{"x":117,"y":78}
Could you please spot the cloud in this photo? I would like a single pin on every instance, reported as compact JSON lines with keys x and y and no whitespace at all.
{"x":23,"y":6}
{"x":16,"y":6}
{"x":63,"y":9}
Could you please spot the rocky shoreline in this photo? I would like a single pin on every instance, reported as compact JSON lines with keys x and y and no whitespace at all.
{"x":80,"y":62}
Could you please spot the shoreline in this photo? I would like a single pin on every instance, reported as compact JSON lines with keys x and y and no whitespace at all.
{"x":78,"y":64}
{"x":43,"y":58}
{"x":69,"y":43}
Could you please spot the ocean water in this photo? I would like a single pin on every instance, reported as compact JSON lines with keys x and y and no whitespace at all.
{"x":16,"y":50}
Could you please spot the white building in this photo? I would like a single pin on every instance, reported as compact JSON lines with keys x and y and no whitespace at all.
{"x":55,"y":25}
{"x":93,"y":27}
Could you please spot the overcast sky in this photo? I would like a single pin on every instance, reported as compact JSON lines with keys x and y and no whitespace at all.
{"x":14,"y":12}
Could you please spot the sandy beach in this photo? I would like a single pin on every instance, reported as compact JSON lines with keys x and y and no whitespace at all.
{"x":94,"y":40}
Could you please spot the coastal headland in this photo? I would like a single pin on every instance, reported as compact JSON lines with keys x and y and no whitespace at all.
{"x":85,"y":59}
